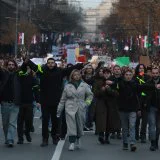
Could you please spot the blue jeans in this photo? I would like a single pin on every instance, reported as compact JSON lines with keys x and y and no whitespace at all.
{"x":9,"y":113}
{"x":128,"y":121}
{"x":153,"y":121}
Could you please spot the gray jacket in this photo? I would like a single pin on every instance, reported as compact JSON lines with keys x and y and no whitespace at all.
{"x":75,"y":101}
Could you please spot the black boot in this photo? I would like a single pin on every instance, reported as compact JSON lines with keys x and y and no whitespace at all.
{"x":101,"y":138}
{"x":133,"y":147}
{"x":28,"y":137}
{"x":44,"y":143}
{"x":153,"y":145}
{"x":56,"y":139}
{"x":107,"y":138}
{"x":20,"y":141}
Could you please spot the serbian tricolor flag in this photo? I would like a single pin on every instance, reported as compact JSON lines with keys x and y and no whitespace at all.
{"x":156,"y":38}
{"x":142,"y":41}
{"x":20,"y":38}
{"x":34,"y":39}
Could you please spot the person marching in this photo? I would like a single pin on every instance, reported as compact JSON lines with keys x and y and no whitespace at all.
{"x":153,"y":107}
{"x":10,"y":100}
{"x":106,"y":115}
{"x":29,"y":93}
{"x":76,"y":97}
{"x":116,"y":78}
{"x":51,"y":84}
{"x":141,"y":78}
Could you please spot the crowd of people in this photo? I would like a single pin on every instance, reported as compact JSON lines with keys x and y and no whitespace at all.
{"x":120,"y":102}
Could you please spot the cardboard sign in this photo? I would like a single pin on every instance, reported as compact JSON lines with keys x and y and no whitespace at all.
{"x":145,"y":60}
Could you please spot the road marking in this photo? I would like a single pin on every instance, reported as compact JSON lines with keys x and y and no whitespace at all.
{"x":58,"y":150}
{"x":37,"y":117}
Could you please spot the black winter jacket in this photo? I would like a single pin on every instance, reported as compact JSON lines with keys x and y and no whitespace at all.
{"x":10,"y":87}
{"x":51,"y":82}
{"x":153,"y":98}
{"x":29,"y":89}
{"x":128,"y":100}
{"x":128,"y":97}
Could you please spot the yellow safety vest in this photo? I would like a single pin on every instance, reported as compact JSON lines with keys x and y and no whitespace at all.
{"x":141,"y":81}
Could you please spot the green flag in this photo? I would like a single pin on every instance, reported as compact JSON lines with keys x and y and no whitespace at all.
{"x":122,"y":61}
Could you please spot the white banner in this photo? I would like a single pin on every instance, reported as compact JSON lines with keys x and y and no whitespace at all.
{"x":107,"y":60}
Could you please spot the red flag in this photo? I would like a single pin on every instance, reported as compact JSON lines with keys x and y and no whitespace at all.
{"x":82,"y":59}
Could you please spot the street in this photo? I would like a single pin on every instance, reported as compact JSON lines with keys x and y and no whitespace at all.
{"x":68,"y":66}
{"x":90,"y":150}
{"x":27,"y":151}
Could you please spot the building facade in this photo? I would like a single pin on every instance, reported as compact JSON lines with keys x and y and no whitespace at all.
{"x":93,"y":18}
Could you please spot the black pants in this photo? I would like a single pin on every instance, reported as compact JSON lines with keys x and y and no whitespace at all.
{"x":49,"y":112}
{"x":25,"y":116}
{"x":63,"y":131}
{"x":89,"y":116}
{"x":143,"y":125}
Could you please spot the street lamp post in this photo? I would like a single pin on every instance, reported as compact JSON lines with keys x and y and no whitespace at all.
{"x":16,"y":38}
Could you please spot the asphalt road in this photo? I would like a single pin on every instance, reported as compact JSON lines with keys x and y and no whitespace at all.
{"x":27,"y":151}
{"x":92,"y":150}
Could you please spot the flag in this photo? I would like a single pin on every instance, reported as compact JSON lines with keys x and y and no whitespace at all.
{"x":142,"y":41}
{"x":156,"y":38}
{"x":77,"y":52}
{"x":145,"y":41}
{"x":82,"y":59}
{"x":42,"y":37}
{"x":34,"y":39}
{"x":122,"y":61}
{"x":21,"y":38}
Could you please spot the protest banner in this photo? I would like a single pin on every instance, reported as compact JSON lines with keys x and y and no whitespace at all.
{"x":107,"y":60}
{"x":145,"y":60}
{"x":71,"y":56}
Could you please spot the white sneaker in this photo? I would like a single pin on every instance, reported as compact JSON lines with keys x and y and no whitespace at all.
{"x":78,"y":143}
{"x":71,"y":147}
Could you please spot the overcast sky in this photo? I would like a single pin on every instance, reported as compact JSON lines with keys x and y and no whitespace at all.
{"x":90,"y":3}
